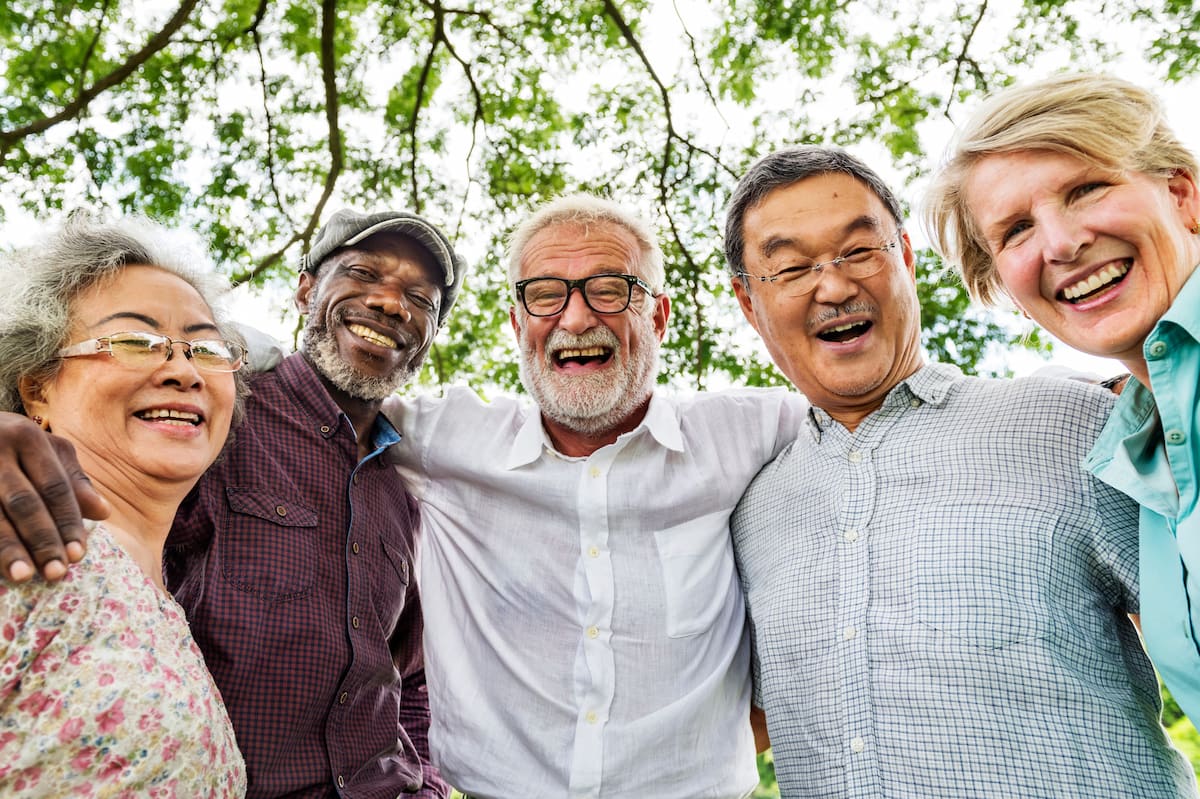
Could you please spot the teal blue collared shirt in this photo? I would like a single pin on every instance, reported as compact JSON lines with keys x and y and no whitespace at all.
{"x":1150,"y":449}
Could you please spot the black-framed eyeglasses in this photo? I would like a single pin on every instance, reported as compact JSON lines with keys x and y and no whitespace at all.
{"x":605,"y":294}
{"x":802,"y":277}
{"x":140,"y":348}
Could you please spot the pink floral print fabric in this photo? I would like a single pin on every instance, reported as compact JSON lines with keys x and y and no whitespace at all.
{"x":103,"y":692}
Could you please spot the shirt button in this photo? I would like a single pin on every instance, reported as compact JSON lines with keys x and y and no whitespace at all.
{"x":850,"y":633}
{"x":855,"y":456}
{"x":1157,"y":349}
{"x":857,"y":745}
{"x":1175,"y":437}
{"x":354,"y":479}
{"x":593,"y":632}
{"x":594,"y":472}
{"x":325,"y":429}
{"x":341,"y":781}
{"x":354,"y":622}
{"x":914,"y":403}
{"x":593,"y":552}
{"x":591,"y":717}
{"x":354,"y":547}
{"x":280,"y":510}
{"x":342,"y":699}
{"x":851,"y":535}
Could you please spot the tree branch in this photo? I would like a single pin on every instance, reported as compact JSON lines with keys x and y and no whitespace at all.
{"x":77,"y":106}
{"x":963,"y":57}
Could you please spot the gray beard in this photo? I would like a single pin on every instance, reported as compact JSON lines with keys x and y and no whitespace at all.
{"x":601,"y":401}
{"x":322,"y":350}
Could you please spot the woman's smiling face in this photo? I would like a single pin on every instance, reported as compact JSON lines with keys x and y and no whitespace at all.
{"x":1095,"y":256}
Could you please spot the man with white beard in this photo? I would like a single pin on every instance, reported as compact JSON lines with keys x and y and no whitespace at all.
{"x":585,"y":630}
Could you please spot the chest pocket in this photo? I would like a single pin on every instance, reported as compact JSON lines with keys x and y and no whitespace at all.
{"x":981,"y":572}
{"x":266,"y":548}
{"x":698,"y":571}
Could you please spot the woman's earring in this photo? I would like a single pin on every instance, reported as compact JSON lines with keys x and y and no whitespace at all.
{"x":40,"y":422}
{"x":1195,"y":228}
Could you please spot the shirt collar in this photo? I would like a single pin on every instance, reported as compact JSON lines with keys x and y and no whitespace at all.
{"x":929,"y":385}
{"x":661,"y":422}
{"x":1185,"y":310}
{"x":310,"y":394}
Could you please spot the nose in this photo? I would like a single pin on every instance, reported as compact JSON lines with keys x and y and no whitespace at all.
{"x":1061,"y":237}
{"x":390,"y":302}
{"x":577,"y":316}
{"x":181,"y":371}
{"x":833,"y":286}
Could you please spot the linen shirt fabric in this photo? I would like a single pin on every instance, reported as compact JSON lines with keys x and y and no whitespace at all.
{"x":293,"y":560}
{"x":1150,"y":449}
{"x":586,"y":634}
{"x":103,"y":691}
{"x":939,"y":602}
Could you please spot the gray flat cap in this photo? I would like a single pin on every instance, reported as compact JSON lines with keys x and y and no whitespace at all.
{"x":347,"y":228}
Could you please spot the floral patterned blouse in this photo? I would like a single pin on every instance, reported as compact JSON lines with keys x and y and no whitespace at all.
{"x":103,"y":692}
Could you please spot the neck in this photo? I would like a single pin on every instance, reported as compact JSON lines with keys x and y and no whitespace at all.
{"x":140,"y":520}
{"x":1138,"y":368}
{"x":360,"y":412}
{"x":579,"y":444}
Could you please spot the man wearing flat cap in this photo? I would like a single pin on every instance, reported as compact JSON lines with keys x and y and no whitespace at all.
{"x":293,"y":558}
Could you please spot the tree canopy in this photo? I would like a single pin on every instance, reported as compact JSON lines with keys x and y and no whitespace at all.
{"x":252,"y":120}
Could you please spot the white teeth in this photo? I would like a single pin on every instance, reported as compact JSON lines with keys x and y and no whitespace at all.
{"x":1108,"y":274}
{"x":842,"y":328}
{"x":587,"y":352}
{"x":171,"y":416}
{"x":370,"y":335}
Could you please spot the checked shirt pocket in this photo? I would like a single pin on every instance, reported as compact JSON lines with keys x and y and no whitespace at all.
{"x":266,"y":547}
{"x":981,"y":572}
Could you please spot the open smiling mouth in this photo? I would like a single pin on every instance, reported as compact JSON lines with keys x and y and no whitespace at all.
{"x":582,"y":355}
{"x":378,"y":339}
{"x":843,"y":333}
{"x":1106,"y":278}
{"x":181,"y":418}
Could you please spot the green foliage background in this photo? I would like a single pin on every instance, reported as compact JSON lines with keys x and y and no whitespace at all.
{"x":251,"y":120}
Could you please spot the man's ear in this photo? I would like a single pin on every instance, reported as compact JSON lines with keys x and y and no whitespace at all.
{"x":745,"y":301}
{"x":512,"y":318}
{"x":662,"y":312}
{"x":304,"y":289}
{"x":910,"y":260}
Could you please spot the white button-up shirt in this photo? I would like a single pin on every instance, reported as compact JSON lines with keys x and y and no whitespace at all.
{"x":584,"y":625}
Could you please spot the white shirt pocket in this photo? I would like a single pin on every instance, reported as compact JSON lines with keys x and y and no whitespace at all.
{"x":699,"y":577}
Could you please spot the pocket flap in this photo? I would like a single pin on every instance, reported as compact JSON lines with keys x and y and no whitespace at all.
{"x":270,"y":507}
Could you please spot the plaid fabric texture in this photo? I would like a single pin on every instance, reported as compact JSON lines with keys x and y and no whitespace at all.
{"x":293,"y":561}
{"x":938,"y":602}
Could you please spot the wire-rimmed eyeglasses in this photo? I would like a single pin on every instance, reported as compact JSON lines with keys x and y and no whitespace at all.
{"x":605,"y":294}
{"x":139,"y":348}
{"x":802,"y":277}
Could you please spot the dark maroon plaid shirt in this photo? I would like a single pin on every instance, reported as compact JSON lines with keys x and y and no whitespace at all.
{"x":294,"y":562}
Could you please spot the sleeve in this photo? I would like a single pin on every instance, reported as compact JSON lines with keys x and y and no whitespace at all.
{"x":1116,"y":546}
{"x":408,"y":655}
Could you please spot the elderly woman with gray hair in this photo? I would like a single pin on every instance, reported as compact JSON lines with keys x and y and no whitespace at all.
{"x":108,"y":338}
{"x":1074,"y":198}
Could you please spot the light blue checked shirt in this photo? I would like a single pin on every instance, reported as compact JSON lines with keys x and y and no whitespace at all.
{"x":938,"y":602}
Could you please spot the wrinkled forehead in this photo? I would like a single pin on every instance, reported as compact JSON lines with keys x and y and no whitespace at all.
{"x":815,"y":214}
{"x":580,"y":248}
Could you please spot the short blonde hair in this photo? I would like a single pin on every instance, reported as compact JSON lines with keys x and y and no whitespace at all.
{"x":1102,"y":120}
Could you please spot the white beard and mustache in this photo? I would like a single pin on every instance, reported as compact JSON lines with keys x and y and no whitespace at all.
{"x":594,"y":402}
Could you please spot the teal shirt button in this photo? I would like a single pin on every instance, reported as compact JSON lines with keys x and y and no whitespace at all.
{"x":1175,"y":437}
{"x":1157,"y":349}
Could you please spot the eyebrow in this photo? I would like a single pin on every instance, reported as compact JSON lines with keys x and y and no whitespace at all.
{"x":154,"y":323}
{"x":774,"y":244}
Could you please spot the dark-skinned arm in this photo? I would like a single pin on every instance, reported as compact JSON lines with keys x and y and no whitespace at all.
{"x":45,"y":496}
